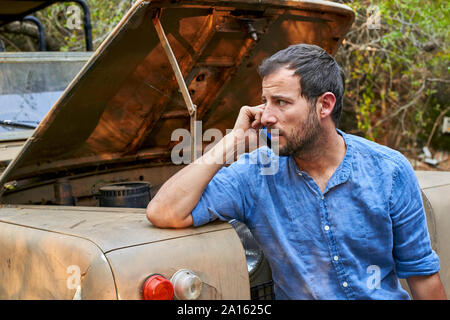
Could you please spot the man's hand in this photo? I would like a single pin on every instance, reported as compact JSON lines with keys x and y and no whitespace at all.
{"x":247,"y":126}
{"x":178,"y":196}
{"x":249,"y":117}
{"x":427,"y":287}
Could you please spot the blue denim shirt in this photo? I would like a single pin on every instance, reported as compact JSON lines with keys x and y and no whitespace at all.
{"x":353,"y":241}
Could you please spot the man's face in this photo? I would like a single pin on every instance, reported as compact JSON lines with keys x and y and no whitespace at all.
{"x":289,"y":112}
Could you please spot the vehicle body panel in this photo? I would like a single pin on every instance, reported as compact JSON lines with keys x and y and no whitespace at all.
{"x":435,"y":187}
{"x":216,"y":257}
{"x":115,"y":250}
{"x":34,"y":265}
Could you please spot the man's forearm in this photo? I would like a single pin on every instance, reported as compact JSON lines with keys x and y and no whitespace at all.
{"x":175,"y":200}
{"x":427,"y":287}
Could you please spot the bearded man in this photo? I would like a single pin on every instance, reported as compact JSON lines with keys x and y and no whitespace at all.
{"x":337,"y":209}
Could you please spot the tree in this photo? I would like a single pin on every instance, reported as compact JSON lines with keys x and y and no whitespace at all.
{"x":396,"y":58}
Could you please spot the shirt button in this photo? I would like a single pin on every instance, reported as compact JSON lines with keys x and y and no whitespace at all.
{"x":336,"y":258}
{"x":344,"y":284}
{"x":326,"y":228}
{"x":323,"y":197}
{"x":299,"y":173}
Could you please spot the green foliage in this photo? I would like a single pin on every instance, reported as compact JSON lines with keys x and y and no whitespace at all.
{"x":397,"y":73}
{"x":64,"y":22}
{"x":63,"y":25}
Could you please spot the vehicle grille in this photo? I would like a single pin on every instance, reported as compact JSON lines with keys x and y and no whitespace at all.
{"x":263,"y":291}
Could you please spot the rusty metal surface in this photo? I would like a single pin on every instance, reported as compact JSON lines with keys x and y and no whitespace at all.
{"x":124,"y":104}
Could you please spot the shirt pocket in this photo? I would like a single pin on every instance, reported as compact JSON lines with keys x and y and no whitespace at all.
{"x":351,"y":231}
{"x":305,"y":228}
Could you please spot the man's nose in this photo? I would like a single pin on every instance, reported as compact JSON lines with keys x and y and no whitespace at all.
{"x":268,"y":118}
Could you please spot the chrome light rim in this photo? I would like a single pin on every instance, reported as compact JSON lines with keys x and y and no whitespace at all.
{"x":253,"y":253}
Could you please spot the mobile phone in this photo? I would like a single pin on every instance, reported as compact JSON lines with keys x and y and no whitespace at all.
{"x":267,"y":136}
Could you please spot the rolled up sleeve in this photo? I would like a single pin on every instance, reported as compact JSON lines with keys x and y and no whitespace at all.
{"x":412,"y":250}
{"x":223,"y":198}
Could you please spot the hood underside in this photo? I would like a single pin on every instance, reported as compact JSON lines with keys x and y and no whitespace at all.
{"x":124,"y":104}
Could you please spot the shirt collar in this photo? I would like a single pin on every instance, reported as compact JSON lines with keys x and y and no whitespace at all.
{"x":343,"y":171}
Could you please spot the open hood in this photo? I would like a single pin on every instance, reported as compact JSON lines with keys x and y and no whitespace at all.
{"x":124,"y":104}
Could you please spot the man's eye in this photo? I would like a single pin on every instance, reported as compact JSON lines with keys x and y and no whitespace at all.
{"x":281,"y":103}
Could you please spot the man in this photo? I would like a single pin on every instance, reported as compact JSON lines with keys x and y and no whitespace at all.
{"x":341,"y":218}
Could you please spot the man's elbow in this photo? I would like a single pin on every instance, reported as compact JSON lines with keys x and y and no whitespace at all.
{"x":165,"y":218}
{"x":427,"y":287}
{"x":152,"y":216}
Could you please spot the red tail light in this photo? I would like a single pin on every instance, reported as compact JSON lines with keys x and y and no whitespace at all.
{"x":157,"y":287}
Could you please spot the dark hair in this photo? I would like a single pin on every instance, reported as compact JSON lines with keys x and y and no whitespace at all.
{"x":318,"y":72}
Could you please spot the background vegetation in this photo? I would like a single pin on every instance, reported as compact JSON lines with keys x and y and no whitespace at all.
{"x":398,"y":73}
{"x":396,"y":59}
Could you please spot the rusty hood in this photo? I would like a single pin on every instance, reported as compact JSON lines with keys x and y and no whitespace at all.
{"x":124,"y":104}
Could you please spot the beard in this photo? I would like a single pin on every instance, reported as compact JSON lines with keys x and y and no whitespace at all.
{"x":302,"y":138}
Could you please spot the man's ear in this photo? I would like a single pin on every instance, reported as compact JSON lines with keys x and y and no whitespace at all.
{"x":325,"y":104}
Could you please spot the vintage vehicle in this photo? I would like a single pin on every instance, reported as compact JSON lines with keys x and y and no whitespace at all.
{"x":108,"y":139}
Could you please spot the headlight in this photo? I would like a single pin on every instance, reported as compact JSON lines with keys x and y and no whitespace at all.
{"x":253,"y":252}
